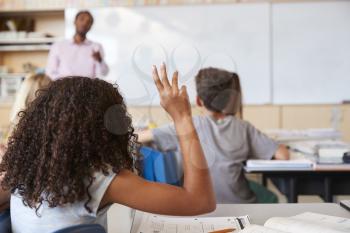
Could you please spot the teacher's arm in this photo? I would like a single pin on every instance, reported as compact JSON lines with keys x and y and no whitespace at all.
{"x":102,"y":67}
{"x":53,"y":63}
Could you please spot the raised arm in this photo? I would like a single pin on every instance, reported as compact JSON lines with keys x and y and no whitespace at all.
{"x":197,"y":195}
{"x":102,"y":67}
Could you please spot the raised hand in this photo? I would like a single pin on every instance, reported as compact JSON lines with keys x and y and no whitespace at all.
{"x":174,"y":100}
{"x":97,"y":56}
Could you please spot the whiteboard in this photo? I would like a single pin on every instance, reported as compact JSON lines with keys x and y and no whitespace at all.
{"x":311,"y":52}
{"x":235,"y":37}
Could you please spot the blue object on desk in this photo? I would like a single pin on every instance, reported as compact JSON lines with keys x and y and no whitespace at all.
{"x":83,"y":228}
{"x":158,"y":166}
{"x":5,"y":221}
{"x":346,"y":157}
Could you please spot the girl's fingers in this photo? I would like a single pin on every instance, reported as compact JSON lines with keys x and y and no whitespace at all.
{"x":175,"y":80}
{"x":183,"y":91}
{"x":165,"y":80}
{"x":156,"y":79}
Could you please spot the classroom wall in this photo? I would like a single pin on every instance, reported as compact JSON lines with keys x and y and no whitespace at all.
{"x":5,"y":109}
{"x":61,"y":4}
{"x":266,"y":117}
{"x":262,"y":116}
{"x":345,"y":124}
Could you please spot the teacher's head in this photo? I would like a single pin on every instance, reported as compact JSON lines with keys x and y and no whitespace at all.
{"x":83,"y":22}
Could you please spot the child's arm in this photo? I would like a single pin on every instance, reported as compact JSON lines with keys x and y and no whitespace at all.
{"x":5,"y":196}
{"x":196,"y":196}
{"x":282,"y":153}
{"x":263,"y":147}
{"x":53,"y":62}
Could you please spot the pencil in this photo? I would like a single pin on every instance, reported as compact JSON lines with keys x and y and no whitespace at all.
{"x":223,"y":230}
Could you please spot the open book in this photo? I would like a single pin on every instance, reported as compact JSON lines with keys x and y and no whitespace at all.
{"x":151,"y":223}
{"x":302,"y":223}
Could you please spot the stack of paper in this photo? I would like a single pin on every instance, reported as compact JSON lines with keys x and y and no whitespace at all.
{"x":283,"y":135}
{"x":277,"y":165}
{"x":332,"y":153}
{"x":325,"y":151}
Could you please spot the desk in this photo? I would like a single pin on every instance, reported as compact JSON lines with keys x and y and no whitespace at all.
{"x":325,"y":181}
{"x":259,"y":213}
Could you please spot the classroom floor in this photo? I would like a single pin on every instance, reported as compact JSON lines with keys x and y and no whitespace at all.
{"x":120,"y":217}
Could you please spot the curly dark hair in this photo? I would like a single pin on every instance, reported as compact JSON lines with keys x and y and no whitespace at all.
{"x":74,"y":128}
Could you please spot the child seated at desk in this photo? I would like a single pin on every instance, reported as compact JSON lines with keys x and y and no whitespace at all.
{"x":227,"y":140}
{"x":27,"y":94}
{"x":72,"y":153}
{"x":24,"y":96}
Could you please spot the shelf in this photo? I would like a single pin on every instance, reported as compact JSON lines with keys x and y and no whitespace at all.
{"x":11,"y":75}
{"x":14,"y":48}
{"x":11,"y":12}
{"x":28,"y":41}
{"x":27,"y":44}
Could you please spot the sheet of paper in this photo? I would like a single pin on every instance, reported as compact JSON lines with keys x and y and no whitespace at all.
{"x":342,"y":224}
{"x":260,"y":229}
{"x":310,"y":223}
{"x":163,"y":224}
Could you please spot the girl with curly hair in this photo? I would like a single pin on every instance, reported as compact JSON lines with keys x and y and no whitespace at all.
{"x":72,"y":155}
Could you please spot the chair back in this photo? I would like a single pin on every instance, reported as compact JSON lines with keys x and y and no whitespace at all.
{"x":83,"y":228}
{"x":5,"y":221}
{"x":159,"y":167}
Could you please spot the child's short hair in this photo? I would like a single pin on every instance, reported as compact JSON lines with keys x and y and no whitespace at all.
{"x":220,"y":90}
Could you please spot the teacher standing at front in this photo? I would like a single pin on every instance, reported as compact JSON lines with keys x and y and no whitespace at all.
{"x":77,"y":56}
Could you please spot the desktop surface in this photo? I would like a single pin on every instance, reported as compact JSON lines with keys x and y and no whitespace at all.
{"x":259,"y":213}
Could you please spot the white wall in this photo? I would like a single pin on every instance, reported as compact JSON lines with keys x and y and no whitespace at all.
{"x":285,"y":53}
{"x":187,"y":38}
{"x":311,"y":56}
